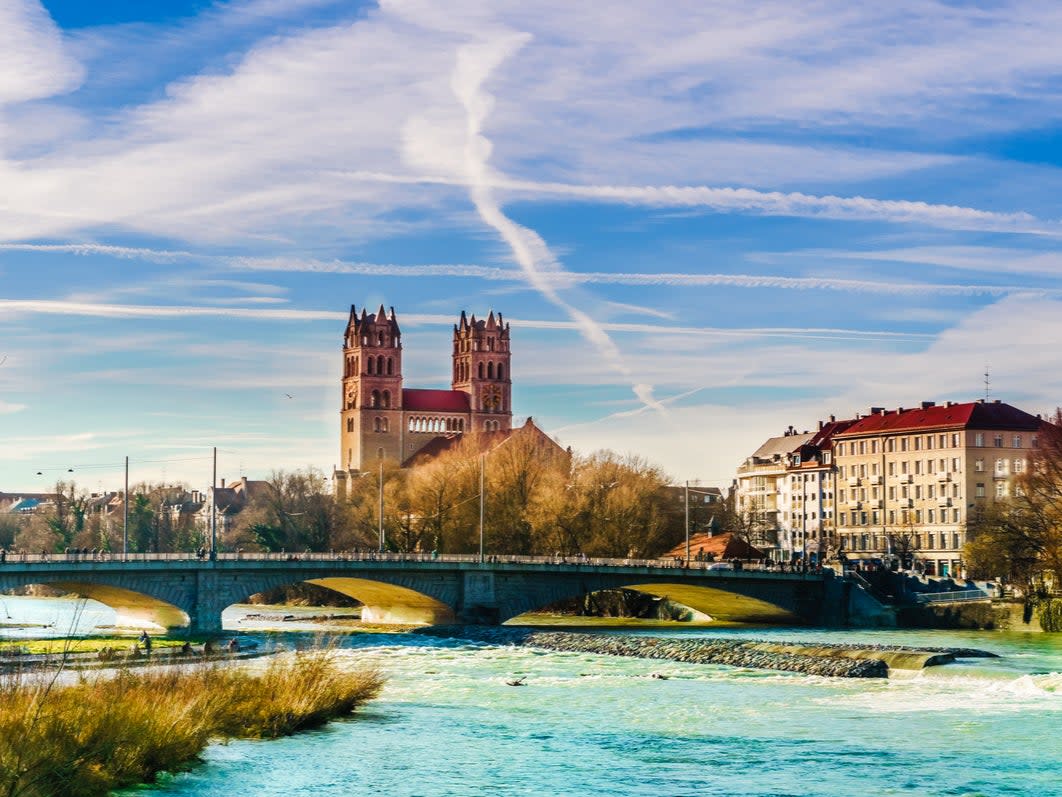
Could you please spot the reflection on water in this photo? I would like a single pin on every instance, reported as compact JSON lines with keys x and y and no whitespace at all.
{"x":447,"y":724}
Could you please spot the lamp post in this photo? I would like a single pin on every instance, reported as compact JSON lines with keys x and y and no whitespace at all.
{"x":482,"y":506}
{"x":125,"y":515}
{"x":687,"y":523}
{"x":381,"y":512}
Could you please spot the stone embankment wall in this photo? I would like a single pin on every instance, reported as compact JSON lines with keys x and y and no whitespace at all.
{"x":839,"y":661}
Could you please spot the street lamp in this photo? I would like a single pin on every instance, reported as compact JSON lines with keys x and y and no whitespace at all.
{"x":380,"y":455}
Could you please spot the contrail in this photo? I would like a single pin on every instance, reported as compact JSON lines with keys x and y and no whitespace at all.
{"x":474,"y":65}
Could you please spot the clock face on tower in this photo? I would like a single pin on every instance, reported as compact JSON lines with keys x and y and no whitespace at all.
{"x":350,"y":396}
{"x":492,"y":396}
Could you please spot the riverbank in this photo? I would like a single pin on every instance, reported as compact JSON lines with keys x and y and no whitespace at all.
{"x":112,"y":730}
{"x":834,"y":660}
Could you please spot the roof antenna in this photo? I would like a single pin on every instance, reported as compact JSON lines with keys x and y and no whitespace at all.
{"x":988,"y":383}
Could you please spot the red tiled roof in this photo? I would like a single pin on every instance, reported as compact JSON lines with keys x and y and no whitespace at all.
{"x":823,"y":438}
{"x":971,"y":415}
{"x":435,"y":400}
{"x":721,"y":546}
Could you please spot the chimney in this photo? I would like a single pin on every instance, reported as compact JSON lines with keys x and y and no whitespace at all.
{"x":877,"y":411}
{"x":833,"y":418}
{"x":222,"y":484}
{"x":948,"y":404}
{"x":900,"y":410}
{"x":927,"y":404}
{"x":821,"y":424}
{"x":997,"y":401}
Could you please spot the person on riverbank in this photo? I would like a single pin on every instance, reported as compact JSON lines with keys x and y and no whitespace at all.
{"x":145,"y":642}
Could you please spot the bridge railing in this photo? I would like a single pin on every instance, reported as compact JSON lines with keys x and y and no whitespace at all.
{"x":953,"y":596}
{"x":375,"y":556}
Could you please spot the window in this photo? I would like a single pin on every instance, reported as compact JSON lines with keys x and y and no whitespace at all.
{"x":890,"y":445}
{"x":862,"y":446}
{"x":892,"y":493}
{"x":390,"y":366}
{"x":1001,"y":489}
{"x":1016,"y":442}
{"x":917,"y":443}
{"x":350,"y":424}
{"x":892,"y":516}
{"x":931,"y":516}
{"x":918,"y":516}
{"x":931,"y":491}
{"x":918,"y":491}
{"x":918,"y":467}
{"x":501,"y":371}
{"x":929,"y":442}
{"x":873,"y":446}
{"x":862,"y":518}
{"x":903,"y":468}
{"x":1019,"y":465}
{"x":840,"y":451}
{"x":387,"y":399}
{"x":931,"y":540}
{"x":1001,"y":467}
{"x":979,"y":490}
{"x":943,"y":441}
{"x":903,"y":444}
{"x":892,"y":468}
{"x":979,"y":440}
{"x":979,"y":466}
{"x":955,"y":465}
{"x":955,"y":516}
{"x":955,"y":440}
{"x":843,"y":518}
{"x":956,"y":540}
{"x":1034,"y":442}
{"x":997,"y":441}
{"x":375,"y":399}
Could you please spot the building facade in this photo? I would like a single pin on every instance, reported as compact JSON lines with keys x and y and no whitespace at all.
{"x":762,"y":491}
{"x":909,"y":479}
{"x":381,"y":419}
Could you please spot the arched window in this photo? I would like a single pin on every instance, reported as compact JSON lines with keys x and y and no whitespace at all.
{"x":379,"y":338}
{"x":371,"y":363}
{"x":356,"y":364}
{"x":380,"y":365}
{"x":490,"y":370}
{"x":390,"y":365}
{"x":387,"y":399}
{"x":383,"y":424}
{"x":501,"y":371}
{"x":490,"y":343}
{"x":350,"y":424}
{"x":375,"y":399}
{"x":481,"y":370}
{"x":410,"y":425}
{"x":376,"y":424}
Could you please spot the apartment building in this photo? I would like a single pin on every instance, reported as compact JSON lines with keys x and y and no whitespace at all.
{"x":762,"y":490}
{"x":908,"y":479}
{"x":808,"y":495}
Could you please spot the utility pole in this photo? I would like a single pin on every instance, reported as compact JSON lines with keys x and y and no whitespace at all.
{"x":382,"y":541}
{"x":481,"y":506}
{"x":125,"y":515}
{"x":214,"y":508}
{"x":687,"y":522}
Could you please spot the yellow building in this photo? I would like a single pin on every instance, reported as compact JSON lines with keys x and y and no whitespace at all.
{"x":908,"y":479}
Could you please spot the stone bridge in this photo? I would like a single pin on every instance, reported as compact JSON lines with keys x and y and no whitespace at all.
{"x":177,"y":591}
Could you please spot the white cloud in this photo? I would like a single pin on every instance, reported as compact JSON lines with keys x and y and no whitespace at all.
{"x":33,"y":63}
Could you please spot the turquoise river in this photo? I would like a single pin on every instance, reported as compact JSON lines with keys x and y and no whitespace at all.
{"x":448,"y":724}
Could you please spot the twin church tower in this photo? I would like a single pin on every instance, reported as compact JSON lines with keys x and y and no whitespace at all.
{"x":381,"y":418}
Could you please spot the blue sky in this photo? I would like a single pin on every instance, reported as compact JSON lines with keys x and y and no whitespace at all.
{"x":706,"y":221}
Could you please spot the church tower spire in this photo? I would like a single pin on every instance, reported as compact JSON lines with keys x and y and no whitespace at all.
{"x":481,"y":360}
{"x":371,"y":409}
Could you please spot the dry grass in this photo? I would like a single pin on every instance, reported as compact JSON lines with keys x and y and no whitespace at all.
{"x":104,"y":732}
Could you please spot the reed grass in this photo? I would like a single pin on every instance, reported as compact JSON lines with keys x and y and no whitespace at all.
{"x":107,"y":731}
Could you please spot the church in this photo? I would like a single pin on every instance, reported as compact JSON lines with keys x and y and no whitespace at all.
{"x":380,"y":418}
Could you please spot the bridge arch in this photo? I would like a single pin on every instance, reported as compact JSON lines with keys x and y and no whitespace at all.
{"x":731,"y":601}
{"x":166,"y":604}
{"x":386,"y":597}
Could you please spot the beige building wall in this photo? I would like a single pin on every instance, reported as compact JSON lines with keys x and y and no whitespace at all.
{"x":922,"y":485}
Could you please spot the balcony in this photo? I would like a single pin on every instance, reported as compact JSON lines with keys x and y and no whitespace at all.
{"x":855,"y":504}
{"x":943,"y":478}
{"x":875,"y":480}
{"x":875,"y":503}
{"x":943,"y":501}
{"x":854,"y":481}
{"x":906,"y":503}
